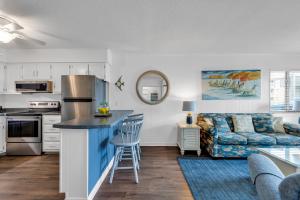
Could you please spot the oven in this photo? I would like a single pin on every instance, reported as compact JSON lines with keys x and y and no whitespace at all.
{"x":24,"y":135}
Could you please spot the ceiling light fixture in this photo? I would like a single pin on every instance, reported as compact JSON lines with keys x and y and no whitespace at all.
{"x":10,"y":29}
{"x":6,"y":37}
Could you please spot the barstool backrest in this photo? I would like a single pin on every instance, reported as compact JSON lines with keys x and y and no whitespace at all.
{"x":130,"y":130}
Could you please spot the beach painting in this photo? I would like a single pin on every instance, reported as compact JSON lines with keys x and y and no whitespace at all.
{"x":231,"y":84}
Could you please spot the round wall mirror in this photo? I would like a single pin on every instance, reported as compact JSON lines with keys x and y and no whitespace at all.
{"x":152,"y":87}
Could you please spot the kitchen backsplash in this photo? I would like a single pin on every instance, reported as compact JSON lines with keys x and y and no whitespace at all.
{"x":20,"y":100}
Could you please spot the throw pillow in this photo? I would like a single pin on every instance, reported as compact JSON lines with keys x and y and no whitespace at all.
{"x":278,"y":125}
{"x":263,"y":124}
{"x":209,"y":121}
{"x":206,"y":124}
{"x":221,"y":125}
{"x":242,"y":123}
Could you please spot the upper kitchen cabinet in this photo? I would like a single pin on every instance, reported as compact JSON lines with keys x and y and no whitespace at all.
{"x":43,"y":71}
{"x":2,"y":78}
{"x":97,"y":69}
{"x":57,"y":70}
{"x":100,"y":70}
{"x":34,"y":71}
{"x":13,"y":72}
{"x":79,"y":68}
{"x":28,"y":71}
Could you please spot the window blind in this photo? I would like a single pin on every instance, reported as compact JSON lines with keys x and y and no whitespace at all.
{"x":284,"y":90}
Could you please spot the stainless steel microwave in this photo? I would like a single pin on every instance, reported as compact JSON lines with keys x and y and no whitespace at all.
{"x":34,"y":86}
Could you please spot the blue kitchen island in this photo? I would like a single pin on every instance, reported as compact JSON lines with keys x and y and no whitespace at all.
{"x":86,"y":155}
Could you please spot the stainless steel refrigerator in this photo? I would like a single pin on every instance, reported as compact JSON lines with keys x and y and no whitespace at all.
{"x":81,"y":95}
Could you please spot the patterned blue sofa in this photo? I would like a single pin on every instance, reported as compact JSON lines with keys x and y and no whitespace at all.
{"x":220,"y":144}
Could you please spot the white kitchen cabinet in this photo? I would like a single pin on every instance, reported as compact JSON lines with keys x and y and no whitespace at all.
{"x":2,"y":134}
{"x":2,"y":78}
{"x":79,"y":68}
{"x":57,"y":70}
{"x":33,"y":71}
{"x":28,"y":71}
{"x":43,"y":71}
{"x":51,"y":136}
{"x":13,"y":72}
{"x":97,"y":69}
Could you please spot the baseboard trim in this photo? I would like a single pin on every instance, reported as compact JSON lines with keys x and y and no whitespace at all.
{"x":75,"y":198}
{"x":101,"y":180}
{"x":158,"y":144}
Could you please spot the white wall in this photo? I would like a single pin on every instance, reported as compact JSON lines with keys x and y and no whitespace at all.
{"x":184,"y":73}
{"x":21,"y":100}
{"x":58,"y":55}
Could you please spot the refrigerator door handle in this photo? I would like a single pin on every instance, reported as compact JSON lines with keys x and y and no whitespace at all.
{"x":78,"y":100}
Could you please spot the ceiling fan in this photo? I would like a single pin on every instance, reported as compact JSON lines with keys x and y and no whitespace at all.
{"x":9,"y":30}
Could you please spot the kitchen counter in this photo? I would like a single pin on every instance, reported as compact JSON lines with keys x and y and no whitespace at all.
{"x":94,"y":122}
{"x":86,"y":154}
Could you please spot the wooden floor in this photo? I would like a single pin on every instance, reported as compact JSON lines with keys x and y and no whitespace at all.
{"x":29,"y":178}
{"x":36,"y":178}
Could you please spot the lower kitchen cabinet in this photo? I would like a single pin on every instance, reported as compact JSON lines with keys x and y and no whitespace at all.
{"x":51,"y":136}
{"x":2,"y":134}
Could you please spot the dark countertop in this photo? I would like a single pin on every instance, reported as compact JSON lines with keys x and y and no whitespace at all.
{"x":95,"y":122}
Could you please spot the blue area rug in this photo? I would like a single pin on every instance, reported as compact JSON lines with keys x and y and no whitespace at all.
{"x":218,"y":179}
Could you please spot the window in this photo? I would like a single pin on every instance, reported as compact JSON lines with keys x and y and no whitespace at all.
{"x":284,"y":90}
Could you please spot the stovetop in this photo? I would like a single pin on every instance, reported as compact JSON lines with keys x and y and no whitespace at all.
{"x":33,"y":112}
{"x":36,"y":108}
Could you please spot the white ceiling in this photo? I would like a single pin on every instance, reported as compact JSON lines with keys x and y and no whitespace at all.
{"x":163,"y":26}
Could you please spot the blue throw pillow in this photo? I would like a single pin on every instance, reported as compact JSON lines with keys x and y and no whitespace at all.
{"x":221,"y":125}
{"x":263,"y":124}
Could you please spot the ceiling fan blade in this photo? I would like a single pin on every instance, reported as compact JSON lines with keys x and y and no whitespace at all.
{"x":23,"y":36}
{"x":13,"y":27}
{"x":9,"y":24}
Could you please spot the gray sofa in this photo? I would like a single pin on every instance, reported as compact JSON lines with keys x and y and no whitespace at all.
{"x":269,"y":181}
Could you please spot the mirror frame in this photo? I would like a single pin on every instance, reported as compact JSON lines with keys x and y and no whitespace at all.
{"x":156,"y":73}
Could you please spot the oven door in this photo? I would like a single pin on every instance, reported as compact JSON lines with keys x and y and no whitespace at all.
{"x":23,"y":129}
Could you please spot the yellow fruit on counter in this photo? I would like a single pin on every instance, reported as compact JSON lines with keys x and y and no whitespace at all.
{"x":103,"y":110}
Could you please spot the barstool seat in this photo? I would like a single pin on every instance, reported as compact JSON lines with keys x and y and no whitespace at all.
{"x":123,"y":141}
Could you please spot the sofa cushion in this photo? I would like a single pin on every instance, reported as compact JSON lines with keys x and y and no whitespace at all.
{"x":231,"y":138}
{"x":258,"y":139}
{"x":278,"y":125}
{"x":242,"y":123}
{"x":285,"y":139}
{"x":263,"y":124}
{"x":289,"y":188}
{"x":221,"y":125}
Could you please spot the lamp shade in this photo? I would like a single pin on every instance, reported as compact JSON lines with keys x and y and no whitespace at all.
{"x":297,"y":105}
{"x":189,"y":106}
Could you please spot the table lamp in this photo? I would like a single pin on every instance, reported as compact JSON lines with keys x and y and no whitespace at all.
{"x":189,"y":106}
{"x":297,"y":108}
